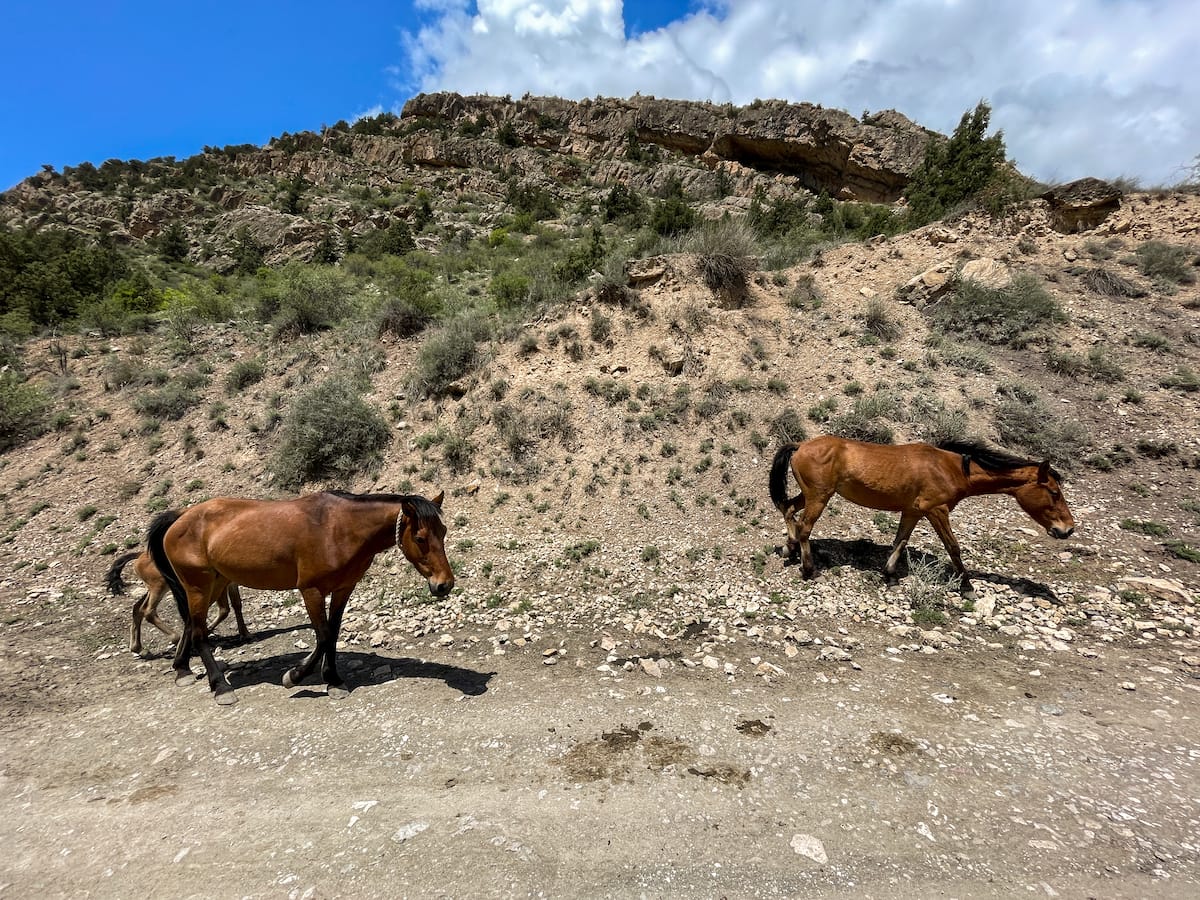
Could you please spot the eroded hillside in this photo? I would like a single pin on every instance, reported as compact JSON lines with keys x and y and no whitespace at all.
{"x":607,"y":461}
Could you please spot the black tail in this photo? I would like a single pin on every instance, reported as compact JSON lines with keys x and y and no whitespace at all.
{"x":779,"y":476}
{"x":116,"y":584}
{"x":154,"y":538}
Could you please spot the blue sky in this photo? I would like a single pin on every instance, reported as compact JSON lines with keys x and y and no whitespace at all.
{"x":1094,"y":87}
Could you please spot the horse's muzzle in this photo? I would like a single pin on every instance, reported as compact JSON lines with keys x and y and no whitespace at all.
{"x":441,"y":589}
{"x":1061,"y":533}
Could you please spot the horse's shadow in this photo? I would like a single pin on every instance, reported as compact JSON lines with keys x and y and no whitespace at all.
{"x":362,"y":670}
{"x":868,"y":556}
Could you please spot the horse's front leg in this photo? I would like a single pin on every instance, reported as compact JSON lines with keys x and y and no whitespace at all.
{"x":939,"y":518}
{"x":333,"y":681}
{"x":314,"y":603}
{"x":908,"y":521}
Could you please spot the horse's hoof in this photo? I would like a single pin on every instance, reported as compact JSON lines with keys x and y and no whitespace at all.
{"x":183,"y":679}
{"x":291,"y":678}
{"x":226,"y":697}
{"x":337,"y":692}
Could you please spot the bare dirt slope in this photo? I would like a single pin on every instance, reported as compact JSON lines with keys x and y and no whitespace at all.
{"x":629,"y":693}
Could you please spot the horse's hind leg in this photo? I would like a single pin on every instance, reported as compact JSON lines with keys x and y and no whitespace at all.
{"x":235,"y":600}
{"x":314,"y":602}
{"x":195,"y":634}
{"x":135,"y":626}
{"x":939,"y":518}
{"x":222,"y":610}
{"x":814,"y":505}
{"x":908,"y":521}
{"x":791,"y":522}
{"x":150,"y":613}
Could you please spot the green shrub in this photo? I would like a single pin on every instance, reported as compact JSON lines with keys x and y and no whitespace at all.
{"x":458,"y":451}
{"x":806,"y":294}
{"x":330,"y":433}
{"x":172,"y":401}
{"x":788,"y":426}
{"x":449,"y":353}
{"x":1023,"y":422}
{"x":244,"y":373}
{"x":997,"y":315}
{"x":1166,"y":264}
{"x":726,"y":250}
{"x":863,"y":421}
{"x":23,"y":410}
{"x":1183,"y":550}
{"x":672,"y":215}
{"x":302,"y":299}
{"x":1152,"y":341}
{"x":935,"y":422}
{"x":510,"y":289}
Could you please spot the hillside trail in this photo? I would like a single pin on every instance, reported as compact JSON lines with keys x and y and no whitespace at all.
{"x":558,"y":769}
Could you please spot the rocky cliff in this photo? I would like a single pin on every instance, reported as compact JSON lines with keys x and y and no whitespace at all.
{"x":307,"y":189}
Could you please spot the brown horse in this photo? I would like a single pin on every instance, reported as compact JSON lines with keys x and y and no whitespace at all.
{"x":320,"y":544}
{"x":919,"y":481}
{"x":146,"y":608}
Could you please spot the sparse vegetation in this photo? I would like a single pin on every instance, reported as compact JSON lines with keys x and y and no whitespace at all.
{"x":1009,"y":315}
{"x":1024,"y":422}
{"x":1166,"y":264}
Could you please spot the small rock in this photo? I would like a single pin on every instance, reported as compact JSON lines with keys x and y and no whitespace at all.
{"x":811,"y":847}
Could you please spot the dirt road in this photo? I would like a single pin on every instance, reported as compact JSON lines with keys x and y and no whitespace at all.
{"x":453,"y":771}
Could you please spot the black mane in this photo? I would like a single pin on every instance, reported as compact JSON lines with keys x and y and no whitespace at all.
{"x":991,"y":458}
{"x":426,"y":509}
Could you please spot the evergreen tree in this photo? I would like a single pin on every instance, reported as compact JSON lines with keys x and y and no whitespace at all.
{"x":173,"y":243}
{"x":957,"y":170}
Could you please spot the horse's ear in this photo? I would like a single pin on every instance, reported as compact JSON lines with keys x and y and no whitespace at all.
{"x":437,"y":501}
{"x":408,"y":511}
{"x":1044,"y":472}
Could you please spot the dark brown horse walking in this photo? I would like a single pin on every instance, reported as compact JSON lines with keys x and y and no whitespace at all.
{"x":919,"y":481}
{"x":320,"y":544}
{"x":146,"y":608}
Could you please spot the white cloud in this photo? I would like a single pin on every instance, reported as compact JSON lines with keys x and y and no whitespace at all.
{"x":1087,"y":87}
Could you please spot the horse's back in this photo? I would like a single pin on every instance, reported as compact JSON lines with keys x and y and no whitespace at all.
{"x":879,"y":476}
{"x":250,"y":542}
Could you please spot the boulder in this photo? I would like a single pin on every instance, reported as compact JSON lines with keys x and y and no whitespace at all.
{"x":1081,"y":205}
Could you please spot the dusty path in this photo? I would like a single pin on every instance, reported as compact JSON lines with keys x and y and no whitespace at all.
{"x":966,"y":774}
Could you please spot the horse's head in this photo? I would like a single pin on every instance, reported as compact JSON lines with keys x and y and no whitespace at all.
{"x":1043,"y":500}
{"x":421,"y":534}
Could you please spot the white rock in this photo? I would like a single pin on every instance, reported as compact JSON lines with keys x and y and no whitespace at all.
{"x":811,"y":847}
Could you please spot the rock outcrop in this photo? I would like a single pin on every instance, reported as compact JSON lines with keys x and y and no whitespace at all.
{"x":1081,"y":205}
{"x":300,"y":187}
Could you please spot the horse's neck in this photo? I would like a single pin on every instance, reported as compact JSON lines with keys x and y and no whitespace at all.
{"x":982,"y":481}
{"x":379,"y":525}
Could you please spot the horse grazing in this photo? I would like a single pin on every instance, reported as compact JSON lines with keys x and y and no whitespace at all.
{"x":320,"y":544}
{"x":919,"y":481}
{"x":146,"y":608}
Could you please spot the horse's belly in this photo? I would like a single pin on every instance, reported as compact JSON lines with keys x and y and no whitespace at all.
{"x":865,"y":495}
{"x":260,"y":579}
